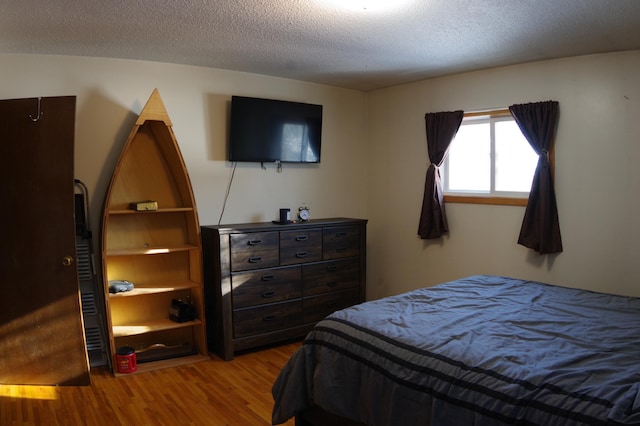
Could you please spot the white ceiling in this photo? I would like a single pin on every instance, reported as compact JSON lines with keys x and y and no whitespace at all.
{"x":319,"y":41}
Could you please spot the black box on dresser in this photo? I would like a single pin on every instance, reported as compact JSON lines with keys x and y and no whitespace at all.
{"x":267,"y":283}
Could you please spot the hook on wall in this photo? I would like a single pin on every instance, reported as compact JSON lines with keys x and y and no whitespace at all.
{"x":39,"y":114}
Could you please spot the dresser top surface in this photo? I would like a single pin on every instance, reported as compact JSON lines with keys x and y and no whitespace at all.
{"x":260,"y":226}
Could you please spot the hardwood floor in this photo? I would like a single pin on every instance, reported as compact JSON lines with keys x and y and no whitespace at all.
{"x":206,"y":393}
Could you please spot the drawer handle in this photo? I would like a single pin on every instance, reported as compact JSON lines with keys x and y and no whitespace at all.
{"x":255,"y":259}
{"x":269,"y":318}
{"x":302,"y":254}
{"x":341,"y":249}
{"x":268,"y":277}
{"x":268,"y":294}
{"x":302,"y":237}
{"x":254,"y":242}
{"x":341,"y":234}
{"x":332,"y":268}
{"x":332,"y":284}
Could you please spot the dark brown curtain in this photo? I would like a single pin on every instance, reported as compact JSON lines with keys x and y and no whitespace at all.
{"x":441,"y":129}
{"x":540,"y":227}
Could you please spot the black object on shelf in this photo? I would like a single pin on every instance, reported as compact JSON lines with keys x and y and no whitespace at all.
{"x":182,"y":311}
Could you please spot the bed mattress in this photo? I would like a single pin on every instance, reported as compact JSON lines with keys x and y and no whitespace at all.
{"x":481,"y":350}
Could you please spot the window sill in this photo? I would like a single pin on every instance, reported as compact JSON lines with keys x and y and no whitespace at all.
{"x":468,"y":199}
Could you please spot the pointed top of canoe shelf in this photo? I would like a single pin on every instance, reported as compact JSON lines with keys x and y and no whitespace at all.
{"x":154,"y":110}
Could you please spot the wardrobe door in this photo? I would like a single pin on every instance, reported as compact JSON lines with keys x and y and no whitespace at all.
{"x":41,"y":332}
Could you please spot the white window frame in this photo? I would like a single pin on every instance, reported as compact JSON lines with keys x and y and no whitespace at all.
{"x":492,"y":197}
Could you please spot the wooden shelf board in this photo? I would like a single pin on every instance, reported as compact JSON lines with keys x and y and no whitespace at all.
{"x":166,"y":210}
{"x":142,"y":290}
{"x":150,"y":327}
{"x":166,"y":363}
{"x":151,"y":250}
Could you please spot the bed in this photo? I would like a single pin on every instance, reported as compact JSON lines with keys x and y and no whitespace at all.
{"x":483,"y":350}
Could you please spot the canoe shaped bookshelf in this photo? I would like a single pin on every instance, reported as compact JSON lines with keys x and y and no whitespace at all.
{"x":158,"y":249}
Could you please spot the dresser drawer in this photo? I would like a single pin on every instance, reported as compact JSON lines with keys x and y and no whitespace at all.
{"x":266,"y":286}
{"x":254,"y":250}
{"x":340,"y":241}
{"x":266,"y":318}
{"x":329,"y":276}
{"x":300,"y":246}
{"x":316,"y":308}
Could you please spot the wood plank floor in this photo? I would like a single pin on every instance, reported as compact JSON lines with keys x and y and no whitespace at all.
{"x":206,"y":393}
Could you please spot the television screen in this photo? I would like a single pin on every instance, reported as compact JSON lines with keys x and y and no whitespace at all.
{"x":266,"y":130}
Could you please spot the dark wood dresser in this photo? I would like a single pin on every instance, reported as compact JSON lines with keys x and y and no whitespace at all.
{"x":266,"y":283}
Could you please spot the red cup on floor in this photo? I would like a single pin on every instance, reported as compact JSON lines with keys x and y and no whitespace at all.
{"x":126,"y":359}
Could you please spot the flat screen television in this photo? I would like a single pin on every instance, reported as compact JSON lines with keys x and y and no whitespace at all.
{"x":267,"y":130}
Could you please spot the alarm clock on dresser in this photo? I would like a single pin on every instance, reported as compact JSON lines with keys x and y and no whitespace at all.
{"x":303,"y":213}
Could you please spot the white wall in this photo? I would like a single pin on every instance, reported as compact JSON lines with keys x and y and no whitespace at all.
{"x":110,"y":94}
{"x":597,"y":179}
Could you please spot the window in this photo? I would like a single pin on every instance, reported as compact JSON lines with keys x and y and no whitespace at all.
{"x":489,"y":161}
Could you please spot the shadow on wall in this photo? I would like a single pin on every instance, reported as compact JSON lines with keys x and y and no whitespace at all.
{"x":98,"y":147}
{"x":217,"y":113}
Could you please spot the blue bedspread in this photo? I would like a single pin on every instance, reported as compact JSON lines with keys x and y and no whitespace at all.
{"x":482,"y":350}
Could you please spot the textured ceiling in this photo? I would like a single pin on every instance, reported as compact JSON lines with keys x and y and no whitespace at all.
{"x":319,"y":41}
